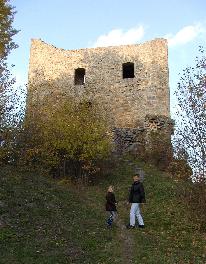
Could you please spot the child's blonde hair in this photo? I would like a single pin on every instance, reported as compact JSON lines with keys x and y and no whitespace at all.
{"x":110,"y":188}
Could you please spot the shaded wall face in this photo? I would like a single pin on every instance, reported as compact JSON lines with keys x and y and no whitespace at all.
{"x":128,"y":100}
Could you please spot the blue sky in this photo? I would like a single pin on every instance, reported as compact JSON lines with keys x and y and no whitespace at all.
{"x":87,"y":23}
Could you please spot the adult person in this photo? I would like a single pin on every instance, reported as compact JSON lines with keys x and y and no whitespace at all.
{"x":136,"y":197}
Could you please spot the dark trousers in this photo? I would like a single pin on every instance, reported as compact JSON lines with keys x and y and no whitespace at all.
{"x":111,"y":218}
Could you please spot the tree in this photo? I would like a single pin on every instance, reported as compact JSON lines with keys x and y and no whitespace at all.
{"x":8,"y":97}
{"x":6,"y":46}
{"x":60,"y":129}
{"x":190,"y":133}
{"x":6,"y":30}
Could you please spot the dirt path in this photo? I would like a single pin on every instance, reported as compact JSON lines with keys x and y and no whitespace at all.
{"x":127,"y":241}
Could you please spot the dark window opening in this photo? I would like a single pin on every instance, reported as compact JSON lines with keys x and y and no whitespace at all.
{"x":128,"y":70}
{"x":79,"y":76}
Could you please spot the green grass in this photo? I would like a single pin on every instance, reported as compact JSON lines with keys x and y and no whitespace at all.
{"x":46,"y":221}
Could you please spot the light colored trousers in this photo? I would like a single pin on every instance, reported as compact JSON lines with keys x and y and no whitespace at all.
{"x":135,"y":212}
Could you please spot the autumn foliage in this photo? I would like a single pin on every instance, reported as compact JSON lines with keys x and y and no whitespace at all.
{"x":63,"y":129}
{"x":190,"y":133}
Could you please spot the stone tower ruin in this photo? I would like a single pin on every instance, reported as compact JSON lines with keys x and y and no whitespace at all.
{"x":132,"y":81}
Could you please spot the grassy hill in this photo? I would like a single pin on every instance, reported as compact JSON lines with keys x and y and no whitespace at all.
{"x":47,"y":221}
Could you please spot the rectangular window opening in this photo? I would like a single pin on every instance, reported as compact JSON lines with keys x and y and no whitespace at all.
{"x":128,"y":70}
{"x":79,"y":77}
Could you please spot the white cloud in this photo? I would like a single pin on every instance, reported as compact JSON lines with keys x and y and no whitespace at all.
{"x":185,"y":35}
{"x":119,"y":37}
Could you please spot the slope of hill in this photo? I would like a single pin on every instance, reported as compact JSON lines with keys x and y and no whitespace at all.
{"x":46,"y":221}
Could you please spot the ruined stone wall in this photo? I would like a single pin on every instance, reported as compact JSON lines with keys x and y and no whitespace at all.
{"x":136,"y":140}
{"x":128,"y":100}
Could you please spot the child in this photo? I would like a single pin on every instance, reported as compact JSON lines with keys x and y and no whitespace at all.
{"x":111,"y":205}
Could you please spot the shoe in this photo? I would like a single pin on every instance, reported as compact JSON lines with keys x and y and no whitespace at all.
{"x":141,"y":226}
{"x":130,"y":226}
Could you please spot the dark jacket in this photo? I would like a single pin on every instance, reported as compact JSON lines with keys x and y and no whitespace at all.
{"x":137,"y":194}
{"x":110,"y":202}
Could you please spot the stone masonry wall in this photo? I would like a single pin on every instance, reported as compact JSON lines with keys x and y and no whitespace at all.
{"x":135,"y":140}
{"x":128,"y":100}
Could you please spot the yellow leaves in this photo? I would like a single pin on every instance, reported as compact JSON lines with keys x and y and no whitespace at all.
{"x":66,"y":129}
